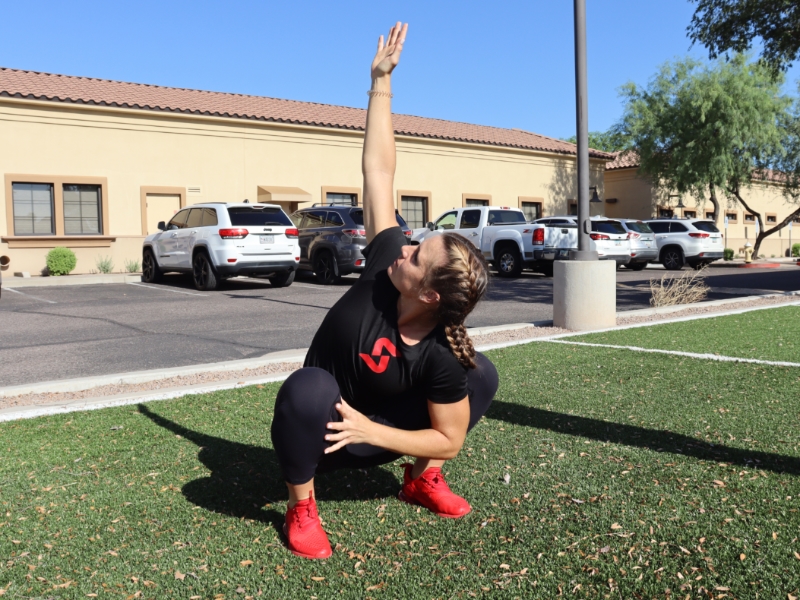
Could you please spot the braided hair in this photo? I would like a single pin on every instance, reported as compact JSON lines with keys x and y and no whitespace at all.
{"x":460,"y":281}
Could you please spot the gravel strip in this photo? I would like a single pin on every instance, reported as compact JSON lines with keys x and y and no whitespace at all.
{"x":171,"y":382}
{"x":526,"y":333}
{"x":704,"y":310}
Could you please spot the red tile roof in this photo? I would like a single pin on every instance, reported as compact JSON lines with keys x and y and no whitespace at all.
{"x":102,"y":92}
{"x":627,"y":159}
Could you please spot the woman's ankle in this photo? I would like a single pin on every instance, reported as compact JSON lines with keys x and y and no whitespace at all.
{"x":423,"y":464}
{"x":299,"y":492}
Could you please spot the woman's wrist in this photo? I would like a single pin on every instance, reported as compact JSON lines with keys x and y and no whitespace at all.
{"x":382,"y":84}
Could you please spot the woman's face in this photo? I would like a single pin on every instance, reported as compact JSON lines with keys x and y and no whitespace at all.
{"x":409,"y":270}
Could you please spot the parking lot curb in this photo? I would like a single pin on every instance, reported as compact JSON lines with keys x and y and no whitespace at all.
{"x":21,"y":282}
{"x":134,"y":377}
{"x":40,"y":410}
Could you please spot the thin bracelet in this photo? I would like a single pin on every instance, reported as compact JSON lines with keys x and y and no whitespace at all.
{"x":372,"y":93}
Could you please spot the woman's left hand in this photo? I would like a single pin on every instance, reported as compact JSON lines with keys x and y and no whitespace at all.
{"x":354,"y":428}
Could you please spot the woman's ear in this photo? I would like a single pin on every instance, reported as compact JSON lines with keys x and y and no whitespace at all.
{"x":429,"y":296}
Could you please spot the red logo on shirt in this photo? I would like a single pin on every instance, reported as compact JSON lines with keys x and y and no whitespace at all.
{"x":377,"y":349}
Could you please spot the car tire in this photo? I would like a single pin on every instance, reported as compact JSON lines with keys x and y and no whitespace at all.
{"x":203,"y":274}
{"x":637,"y":266}
{"x":672,"y":259}
{"x":151,"y":273}
{"x":508,"y":262}
{"x":282,"y":279}
{"x":325,"y":268}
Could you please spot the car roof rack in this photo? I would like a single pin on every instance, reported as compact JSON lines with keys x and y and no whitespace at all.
{"x":335,"y":205}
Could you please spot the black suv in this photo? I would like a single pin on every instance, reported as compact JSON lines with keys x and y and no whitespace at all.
{"x":332,"y":238}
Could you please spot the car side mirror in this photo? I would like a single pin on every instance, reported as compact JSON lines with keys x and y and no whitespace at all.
{"x":161,"y":225}
{"x":430,"y":226}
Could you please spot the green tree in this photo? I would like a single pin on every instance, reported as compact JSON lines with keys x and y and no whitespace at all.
{"x":606,"y":141}
{"x":725,"y":26}
{"x":700,"y":129}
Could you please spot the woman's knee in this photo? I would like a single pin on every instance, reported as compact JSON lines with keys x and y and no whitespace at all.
{"x":307,"y":394}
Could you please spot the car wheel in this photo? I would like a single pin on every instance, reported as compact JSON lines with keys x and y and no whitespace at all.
{"x":637,"y":266}
{"x":205,"y":279}
{"x":508,"y":262}
{"x":150,"y":271}
{"x":282,"y":279}
{"x":325,"y":268}
{"x":672,"y":259}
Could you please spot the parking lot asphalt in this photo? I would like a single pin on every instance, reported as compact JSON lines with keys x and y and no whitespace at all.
{"x":51,"y":333}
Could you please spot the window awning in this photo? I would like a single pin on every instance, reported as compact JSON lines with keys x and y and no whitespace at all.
{"x":277,"y":193}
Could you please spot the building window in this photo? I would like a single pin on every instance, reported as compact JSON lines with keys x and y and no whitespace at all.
{"x":710,"y":214}
{"x":665,"y":213}
{"x":33,"y":209}
{"x":414,"y":210}
{"x":338,"y":198}
{"x":532,"y":210}
{"x":732,"y":217}
{"x":690,"y":214}
{"x":82,"y":209}
{"x":573,"y":209}
{"x":772,"y":218}
{"x":476,"y":202}
{"x":748,"y":218}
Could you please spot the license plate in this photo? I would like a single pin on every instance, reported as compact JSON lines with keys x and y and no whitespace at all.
{"x":618,"y":243}
{"x":267,"y":239}
{"x":648,"y":245}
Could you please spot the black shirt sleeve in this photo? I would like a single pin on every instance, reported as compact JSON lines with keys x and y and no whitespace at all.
{"x":382,"y":251}
{"x":445,"y":378}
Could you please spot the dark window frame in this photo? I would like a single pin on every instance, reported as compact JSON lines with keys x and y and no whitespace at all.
{"x":13,"y":224}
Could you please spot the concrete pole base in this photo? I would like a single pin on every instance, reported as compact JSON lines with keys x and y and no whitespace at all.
{"x":584,"y":294}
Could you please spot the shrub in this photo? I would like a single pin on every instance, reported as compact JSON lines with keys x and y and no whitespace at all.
{"x":728,"y":254}
{"x":685,"y":289}
{"x":61,"y":261}
{"x":132,"y":266}
{"x":104,"y":264}
{"x":795,"y":249}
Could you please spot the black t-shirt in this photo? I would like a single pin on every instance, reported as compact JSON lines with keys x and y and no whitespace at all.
{"x":360,"y":345}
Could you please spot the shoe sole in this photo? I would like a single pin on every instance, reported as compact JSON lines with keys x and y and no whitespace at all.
{"x":401,"y":496}
{"x":300,"y":554}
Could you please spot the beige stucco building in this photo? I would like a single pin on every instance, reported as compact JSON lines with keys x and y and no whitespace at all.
{"x":94,"y":165}
{"x":629,"y":194}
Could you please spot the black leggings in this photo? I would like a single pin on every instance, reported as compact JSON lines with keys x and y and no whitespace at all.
{"x":306,"y":404}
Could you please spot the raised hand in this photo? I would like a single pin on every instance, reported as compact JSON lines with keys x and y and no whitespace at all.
{"x":388,"y":54}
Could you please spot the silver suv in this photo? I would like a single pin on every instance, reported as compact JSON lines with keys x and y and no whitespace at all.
{"x":696,"y":242}
{"x":643,"y":244}
{"x":216,"y":240}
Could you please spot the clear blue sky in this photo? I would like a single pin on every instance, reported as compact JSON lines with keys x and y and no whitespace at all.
{"x":507,"y":63}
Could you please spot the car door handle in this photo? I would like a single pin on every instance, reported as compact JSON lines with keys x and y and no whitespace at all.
{"x":194,"y":231}
{"x":173,"y":235}
{"x":473,"y":234}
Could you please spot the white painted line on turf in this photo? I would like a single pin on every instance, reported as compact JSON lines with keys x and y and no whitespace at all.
{"x":704,"y":356}
{"x":160,"y":289}
{"x":8,"y":289}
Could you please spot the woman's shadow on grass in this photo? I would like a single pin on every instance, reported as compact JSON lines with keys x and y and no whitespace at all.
{"x":245,"y":480}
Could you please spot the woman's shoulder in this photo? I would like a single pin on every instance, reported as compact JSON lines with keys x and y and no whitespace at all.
{"x":439,"y":351}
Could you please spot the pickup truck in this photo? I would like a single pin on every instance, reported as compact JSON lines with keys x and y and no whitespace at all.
{"x":504,"y":237}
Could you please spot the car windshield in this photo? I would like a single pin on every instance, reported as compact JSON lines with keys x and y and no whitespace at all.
{"x":242,"y":216}
{"x":613,"y":227}
{"x":500,"y":217}
{"x":706,"y":226}
{"x":358,"y":218}
{"x":638,"y":226}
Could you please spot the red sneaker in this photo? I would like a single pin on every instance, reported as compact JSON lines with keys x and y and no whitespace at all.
{"x":304,"y":531}
{"x":431,"y":491}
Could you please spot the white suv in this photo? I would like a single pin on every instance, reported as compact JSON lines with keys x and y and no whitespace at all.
{"x":216,"y":240}
{"x":696,"y":242}
{"x":608,"y":237}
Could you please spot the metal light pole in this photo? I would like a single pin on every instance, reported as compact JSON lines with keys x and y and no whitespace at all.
{"x":584,"y":288}
{"x":582,"y":126}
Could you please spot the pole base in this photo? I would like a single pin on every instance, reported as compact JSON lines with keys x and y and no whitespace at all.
{"x":584,"y":294}
{"x":583,"y":255}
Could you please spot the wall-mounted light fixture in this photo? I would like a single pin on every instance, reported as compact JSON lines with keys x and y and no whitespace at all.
{"x":595,"y":197}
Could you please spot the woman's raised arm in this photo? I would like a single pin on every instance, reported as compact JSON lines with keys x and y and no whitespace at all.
{"x":379,"y":158}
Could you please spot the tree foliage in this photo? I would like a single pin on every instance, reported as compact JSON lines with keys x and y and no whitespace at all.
{"x":699,"y":128}
{"x":606,"y":141}
{"x":731,"y":26}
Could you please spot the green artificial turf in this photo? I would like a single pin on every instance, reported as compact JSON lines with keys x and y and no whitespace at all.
{"x":630,"y":476}
{"x":770,"y":334}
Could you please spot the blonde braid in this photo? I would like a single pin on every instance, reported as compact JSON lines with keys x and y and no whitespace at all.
{"x":460,"y":281}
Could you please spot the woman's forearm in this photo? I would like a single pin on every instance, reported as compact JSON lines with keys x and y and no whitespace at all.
{"x":428,"y":443}
{"x":379,"y":160}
